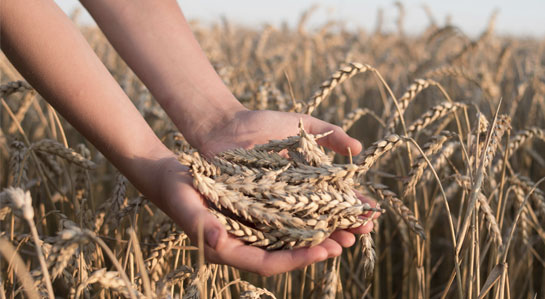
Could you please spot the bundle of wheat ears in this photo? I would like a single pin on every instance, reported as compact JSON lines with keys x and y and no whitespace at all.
{"x":284,"y":201}
{"x":288,"y":194}
{"x":298,"y":199}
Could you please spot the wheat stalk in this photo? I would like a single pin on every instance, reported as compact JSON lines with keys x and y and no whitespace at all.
{"x":417,"y":169}
{"x":109,"y":280}
{"x":490,"y":219}
{"x":22,"y":201}
{"x":329,"y":281}
{"x":368,"y":252}
{"x":253,"y":292}
{"x":517,"y":140}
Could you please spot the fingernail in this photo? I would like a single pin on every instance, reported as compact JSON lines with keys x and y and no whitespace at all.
{"x":212,"y":237}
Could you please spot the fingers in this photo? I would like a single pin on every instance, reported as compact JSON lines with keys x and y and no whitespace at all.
{"x":343,"y":238}
{"x":363,"y":229}
{"x":203,"y":224}
{"x":373,"y":203}
{"x":222,"y":249}
{"x":339,"y":141}
{"x":233,"y":252}
{"x":332,"y":247}
{"x":193,"y":216}
{"x":265,"y":263}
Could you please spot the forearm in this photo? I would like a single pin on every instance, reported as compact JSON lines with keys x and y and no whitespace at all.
{"x":53,"y":56}
{"x":155,"y":40}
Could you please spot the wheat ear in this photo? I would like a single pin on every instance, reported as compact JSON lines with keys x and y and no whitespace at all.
{"x":344,"y":73}
{"x":403,"y":102}
{"x":55,"y":148}
{"x":432,"y":115}
{"x":390,"y":199}
{"x":490,"y":219}
{"x":14,"y":86}
{"x":418,"y":167}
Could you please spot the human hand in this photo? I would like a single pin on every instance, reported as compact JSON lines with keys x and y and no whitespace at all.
{"x":247,"y":128}
{"x":186,"y":207}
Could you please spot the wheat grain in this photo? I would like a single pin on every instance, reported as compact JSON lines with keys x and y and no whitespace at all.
{"x":390,"y":199}
{"x":417,"y":169}
{"x":14,"y":86}
{"x":329,"y":281}
{"x":344,"y":73}
{"x":368,"y":252}
{"x":490,"y":219}
{"x":432,"y":115}
{"x":55,"y":148}
{"x":412,"y":91}
{"x":253,"y":292}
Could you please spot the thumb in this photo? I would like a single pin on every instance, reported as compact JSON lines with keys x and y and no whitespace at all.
{"x":196,"y":220}
{"x":208,"y":226}
{"x":214,"y":232}
{"x":338,"y":141}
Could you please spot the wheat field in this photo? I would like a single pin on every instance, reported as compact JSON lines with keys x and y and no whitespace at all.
{"x":453,"y":129}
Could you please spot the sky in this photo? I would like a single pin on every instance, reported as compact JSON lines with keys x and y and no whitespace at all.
{"x":522,"y":17}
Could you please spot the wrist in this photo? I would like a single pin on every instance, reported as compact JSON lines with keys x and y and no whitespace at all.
{"x":145,"y":168}
{"x":201,"y":131}
{"x":168,"y":172}
{"x":199,"y":117}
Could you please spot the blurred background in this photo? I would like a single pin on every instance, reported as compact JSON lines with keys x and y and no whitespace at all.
{"x":515,"y":17}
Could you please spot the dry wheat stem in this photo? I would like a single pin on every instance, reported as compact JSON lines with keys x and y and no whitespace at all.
{"x":253,"y":292}
{"x":176,"y":276}
{"x":368,"y":252}
{"x":417,"y":169}
{"x":451,"y":224}
{"x":538,"y":196}
{"x":330,"y":280}
{"x":22,"y":201}
{"x":10,"y":254}
{"x":157,"y":254}
{"x":109,"y":280}
{"x":490,"y":218}
{"x":517,"y":140}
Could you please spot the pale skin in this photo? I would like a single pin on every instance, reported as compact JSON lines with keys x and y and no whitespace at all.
{"x":155,"y":40}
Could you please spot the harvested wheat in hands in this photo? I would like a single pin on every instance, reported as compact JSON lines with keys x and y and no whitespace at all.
{"x":279,"y":201}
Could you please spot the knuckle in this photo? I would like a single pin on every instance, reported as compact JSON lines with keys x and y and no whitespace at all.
{"x":213,"y":257}
{"x":265,"y":272}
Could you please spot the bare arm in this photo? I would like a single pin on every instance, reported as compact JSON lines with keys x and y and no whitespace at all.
{"x":155,"y":40}
{"x":54,"y":57}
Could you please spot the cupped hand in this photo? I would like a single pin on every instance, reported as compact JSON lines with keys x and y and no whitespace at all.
{"x":246,"y":129}
{"x":219,"y":247}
